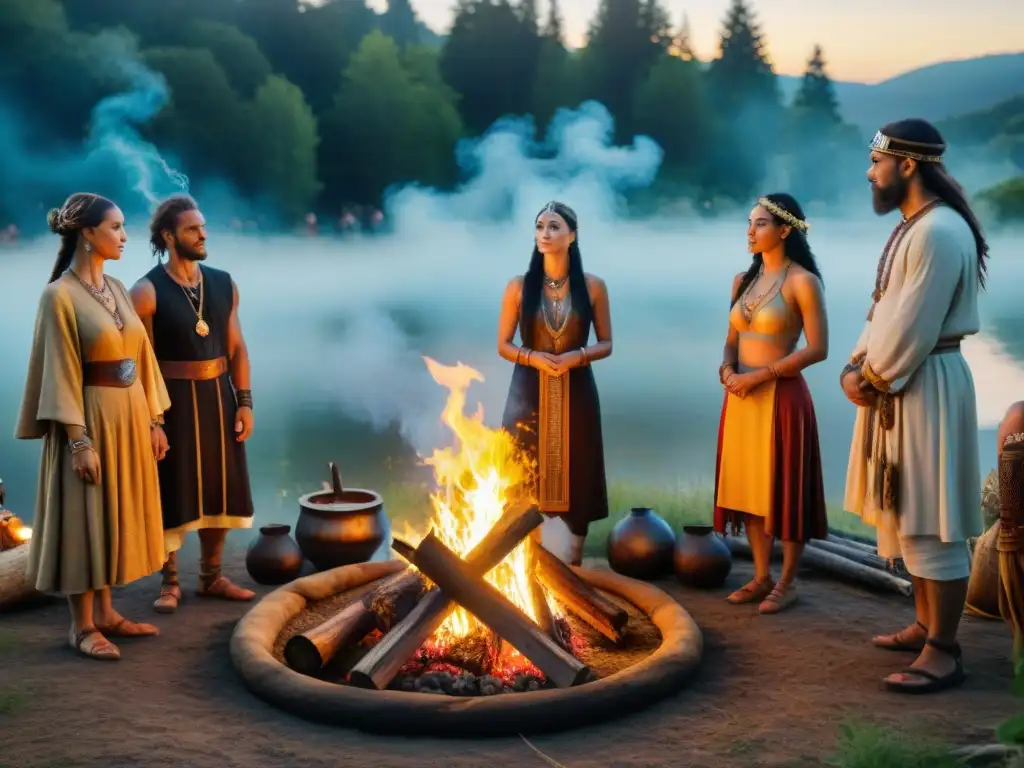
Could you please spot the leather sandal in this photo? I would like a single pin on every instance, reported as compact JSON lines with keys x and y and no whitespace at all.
{"x":127,"y":628}
{"x":935,"y":683}
{"x":779,"y":599}
{"x":898,"y":644}
{"x":92,"y":644}
{"x":170,"y":596}
{"x":753,"y":591}
{"x":223,"y":588}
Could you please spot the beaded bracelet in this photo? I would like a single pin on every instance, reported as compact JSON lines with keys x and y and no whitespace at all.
{"x":244,"y":397}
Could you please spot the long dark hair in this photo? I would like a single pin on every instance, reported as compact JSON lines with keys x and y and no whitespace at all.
{"x":533,"y":280}
{"x":795,"y":246}
{"x":937,"y":180}
{"x":80,"y":211}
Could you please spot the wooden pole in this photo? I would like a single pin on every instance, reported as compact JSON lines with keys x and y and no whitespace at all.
{"x":456,"y":578}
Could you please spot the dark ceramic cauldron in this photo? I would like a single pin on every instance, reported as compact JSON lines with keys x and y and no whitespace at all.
{"x":640,"y":546}
{"x":336,"y":529}
{"x":702,"y":558}
{"x":274,"y":558}
{"x":341,"y":526}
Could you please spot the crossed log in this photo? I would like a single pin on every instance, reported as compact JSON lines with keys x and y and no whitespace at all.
{"x":408,"y":615}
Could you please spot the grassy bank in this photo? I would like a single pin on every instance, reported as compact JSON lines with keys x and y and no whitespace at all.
{"x":678,"y":505}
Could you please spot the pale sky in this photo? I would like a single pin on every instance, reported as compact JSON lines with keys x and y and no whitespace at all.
{"x":866,"y":41}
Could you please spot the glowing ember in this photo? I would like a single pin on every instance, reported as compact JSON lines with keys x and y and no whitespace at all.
{"x":477,"y":479}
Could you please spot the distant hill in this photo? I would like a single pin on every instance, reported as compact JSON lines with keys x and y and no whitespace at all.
{"x":936,"y":92}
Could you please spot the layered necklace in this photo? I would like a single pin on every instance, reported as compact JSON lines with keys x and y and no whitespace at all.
{"x":104,"y":296}
{"x":556,"y":308}
{"x":749,"y":306}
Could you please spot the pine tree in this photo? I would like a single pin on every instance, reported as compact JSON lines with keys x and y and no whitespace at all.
{"x":680,"y":47}
{"x":400,"y":24}
{"x":816,"y":95}
{"x":530,"y":17}
{"x":743,"y":71}
{"x":553,"y":26}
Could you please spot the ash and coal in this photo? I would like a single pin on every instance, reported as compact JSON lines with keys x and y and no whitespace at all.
{"x":480,"y":664}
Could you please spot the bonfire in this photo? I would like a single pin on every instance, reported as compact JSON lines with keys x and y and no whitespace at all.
{"x":482,"y":607}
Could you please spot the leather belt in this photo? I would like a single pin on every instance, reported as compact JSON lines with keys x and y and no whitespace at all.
{"x":109,"y":373}
{"x":945,"y":346}
{"x":194,"y":370}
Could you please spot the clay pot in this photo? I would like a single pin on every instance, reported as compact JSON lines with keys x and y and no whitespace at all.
{"x":641,"y":544}
{"x":273,"y":557}
{"x":336,"y":529}
{"x":702,"y":558}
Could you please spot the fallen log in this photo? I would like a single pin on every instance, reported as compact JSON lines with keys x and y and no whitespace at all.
{"x":579,"y":597}
{"x":863,"y":541}
{"x":15,"y":589}
{"x":380,"y":608}
{"x":379,"y":667}
{"x":853,"y":543}
{"x":857,"y":554}
{"x":840,"y":566}
{"x":458,"y":579}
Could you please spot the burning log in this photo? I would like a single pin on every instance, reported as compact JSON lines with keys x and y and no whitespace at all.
{"x":381,"y":608}
{"x":379,"y":667}
{"x":457,"y":578}
{"x":578,"y":596}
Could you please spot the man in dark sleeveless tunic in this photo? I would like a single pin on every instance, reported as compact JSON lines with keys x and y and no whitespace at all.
{"x":191,"y":313}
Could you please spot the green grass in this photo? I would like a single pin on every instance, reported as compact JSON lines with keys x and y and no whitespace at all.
{"x":13,"y":700}
{"x":865,"y":745}
{"x":678,"y":505}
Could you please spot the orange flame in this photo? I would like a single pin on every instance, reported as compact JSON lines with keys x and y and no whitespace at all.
{"x":477,"y":479}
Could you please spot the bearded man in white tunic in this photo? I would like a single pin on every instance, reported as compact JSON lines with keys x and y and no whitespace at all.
{"x":914,"y":468}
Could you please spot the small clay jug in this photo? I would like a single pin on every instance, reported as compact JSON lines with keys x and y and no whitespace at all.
{"x":640,"y":545}
{"x":702,"y":558}
{"x":274,"y":557}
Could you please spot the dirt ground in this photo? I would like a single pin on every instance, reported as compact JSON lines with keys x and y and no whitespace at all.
{"x":771,"y":691}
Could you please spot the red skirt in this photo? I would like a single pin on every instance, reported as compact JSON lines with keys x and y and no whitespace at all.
{"x":796,"y":501}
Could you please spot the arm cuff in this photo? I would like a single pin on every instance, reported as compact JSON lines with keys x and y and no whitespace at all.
{"x":874,"y":379}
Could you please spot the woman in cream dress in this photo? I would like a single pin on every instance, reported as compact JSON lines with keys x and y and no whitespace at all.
{"x":94,"y":395}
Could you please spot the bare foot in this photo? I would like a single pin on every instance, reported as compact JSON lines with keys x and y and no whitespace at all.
{"x":909,"y":638}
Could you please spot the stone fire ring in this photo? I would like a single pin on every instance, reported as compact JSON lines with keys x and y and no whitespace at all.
{"x":658,"y":676}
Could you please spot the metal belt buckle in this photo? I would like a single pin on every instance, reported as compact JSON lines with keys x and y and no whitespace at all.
{"x":126,"y":372}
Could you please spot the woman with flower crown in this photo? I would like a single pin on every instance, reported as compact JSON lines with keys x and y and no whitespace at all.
{"x":94,"y":396}
{"x":768,"y":471}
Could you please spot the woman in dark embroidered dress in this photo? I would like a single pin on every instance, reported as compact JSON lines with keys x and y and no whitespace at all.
{"x":553,"y":307}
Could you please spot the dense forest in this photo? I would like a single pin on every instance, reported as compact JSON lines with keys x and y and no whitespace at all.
{"x":315,"y":107}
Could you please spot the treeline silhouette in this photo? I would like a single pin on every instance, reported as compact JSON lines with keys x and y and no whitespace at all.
{"x":318,"y":107}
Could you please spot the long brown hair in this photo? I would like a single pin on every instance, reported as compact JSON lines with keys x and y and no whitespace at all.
{"x":80,"y":211}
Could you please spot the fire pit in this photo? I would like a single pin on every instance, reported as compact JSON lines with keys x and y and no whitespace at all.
{"x":479,"y":608}
{"x":659,"y":675}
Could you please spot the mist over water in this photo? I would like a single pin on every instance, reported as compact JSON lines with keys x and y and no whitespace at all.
{"x":336,"y":329}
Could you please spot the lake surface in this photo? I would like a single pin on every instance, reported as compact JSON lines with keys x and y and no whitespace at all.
{"x":337,"y":330}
